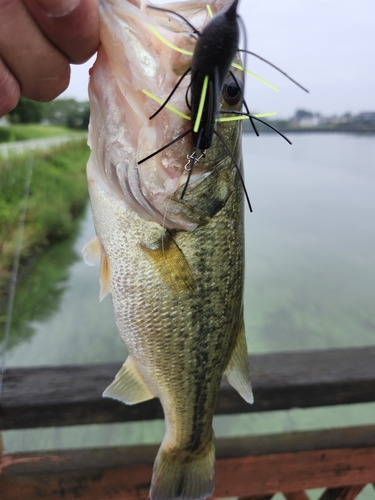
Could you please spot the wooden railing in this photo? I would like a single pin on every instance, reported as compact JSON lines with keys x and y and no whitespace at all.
{"x":341,"y":460}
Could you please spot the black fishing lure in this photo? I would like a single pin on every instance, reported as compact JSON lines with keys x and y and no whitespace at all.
{"x":215,"y":50}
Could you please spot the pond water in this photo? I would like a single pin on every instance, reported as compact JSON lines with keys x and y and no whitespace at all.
{"x":310,"y":284}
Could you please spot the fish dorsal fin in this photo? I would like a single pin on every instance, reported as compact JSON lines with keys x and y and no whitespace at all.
{"x":237,"y":370}
{"x":92,"y":252}
{"x":128,"y":386}
{"x":105,"y":278}
{"x":170,"y":263}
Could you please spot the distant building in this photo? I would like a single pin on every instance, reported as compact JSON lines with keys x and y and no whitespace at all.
{"x":366,"y":116}
{"x":312,"y":121}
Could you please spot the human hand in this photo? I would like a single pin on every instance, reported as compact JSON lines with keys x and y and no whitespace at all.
{"x":39,"y":39}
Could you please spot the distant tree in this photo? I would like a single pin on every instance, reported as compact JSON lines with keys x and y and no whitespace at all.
{"x":302,"y":114}
{"x":27,"y":111}
{"x":79,"y":118}
{"x":68,"y":112}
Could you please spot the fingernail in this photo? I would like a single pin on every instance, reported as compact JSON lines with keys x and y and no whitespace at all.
{"x":58,"y":8}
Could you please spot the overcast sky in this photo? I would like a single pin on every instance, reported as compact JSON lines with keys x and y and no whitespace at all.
{"x":326,"y":45}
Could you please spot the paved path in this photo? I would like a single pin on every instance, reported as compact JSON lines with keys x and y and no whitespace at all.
{"x":19,"y":147}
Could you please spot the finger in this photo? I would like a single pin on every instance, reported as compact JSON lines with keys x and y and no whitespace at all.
{"x":9,"y":90}
{"x":72,"y":25}
{"x":41,"y":70}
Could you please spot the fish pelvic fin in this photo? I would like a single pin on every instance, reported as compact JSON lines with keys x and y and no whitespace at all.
{"x":170,"y":262}
{"x":183,"y":475}
{"x":128,"y":385}
{"x":237,"y":370}
{"x":93,"y":254}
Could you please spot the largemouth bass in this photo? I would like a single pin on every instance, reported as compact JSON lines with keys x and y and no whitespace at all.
{"x":174,"y":266}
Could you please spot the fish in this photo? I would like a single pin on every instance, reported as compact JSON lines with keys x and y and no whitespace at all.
{"x":173,"y":265}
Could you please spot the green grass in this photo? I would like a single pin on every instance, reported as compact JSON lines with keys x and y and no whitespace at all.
{"x":33,"y":131}
{"x":58,"y":193}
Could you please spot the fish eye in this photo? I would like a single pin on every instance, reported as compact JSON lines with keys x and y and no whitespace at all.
{"x":232,"y":91}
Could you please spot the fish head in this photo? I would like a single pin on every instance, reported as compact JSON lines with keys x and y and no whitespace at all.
{"x":136,"y":63}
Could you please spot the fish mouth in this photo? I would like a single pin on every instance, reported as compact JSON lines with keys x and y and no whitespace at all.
{"x":133,"y":59}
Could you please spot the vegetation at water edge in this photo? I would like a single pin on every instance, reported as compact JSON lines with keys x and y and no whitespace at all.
{"x":42,"y":285}
{"x":58,"y":194}
{"x":24,"y":132}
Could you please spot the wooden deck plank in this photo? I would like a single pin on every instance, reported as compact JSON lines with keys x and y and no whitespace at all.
{"x":346,"y":493}
{"x":71,"y":395}
{"x":294,"y":471}
{"x":295,"y":495}
{"x":294,"y":462}
{"x":257,"y":497}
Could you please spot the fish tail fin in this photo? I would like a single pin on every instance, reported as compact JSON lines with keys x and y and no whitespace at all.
{"x":183,"y":475}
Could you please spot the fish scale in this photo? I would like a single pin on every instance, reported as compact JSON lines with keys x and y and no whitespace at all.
{"x":174,"y":267}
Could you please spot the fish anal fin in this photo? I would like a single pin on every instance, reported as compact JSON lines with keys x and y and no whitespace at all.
{"x":92,"y":252}
{"x":237,"y":370}
{"x":128,"y":386}
{"x":170,"y":263}
{"x":105,"y":278}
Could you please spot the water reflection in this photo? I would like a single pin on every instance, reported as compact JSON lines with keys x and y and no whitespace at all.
{"x":310,"y":268}
{"x":310,"y":283}
{"x":39,"y":292}
{"x":62,"y":321}
{"x":310,"y":261}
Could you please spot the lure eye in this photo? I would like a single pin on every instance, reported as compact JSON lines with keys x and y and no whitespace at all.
{"x":232,"y":91}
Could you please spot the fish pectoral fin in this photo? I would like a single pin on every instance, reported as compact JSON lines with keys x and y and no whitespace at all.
{"x":128,"y":386}
{"x":171,"y":264}
{"x":237,"y":370}
{"x":92,"y":252}
{"x":105,"y":278}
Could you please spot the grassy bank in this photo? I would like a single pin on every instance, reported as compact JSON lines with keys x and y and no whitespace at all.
{"x":32,"y":131}
{"x":58,"y":193}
